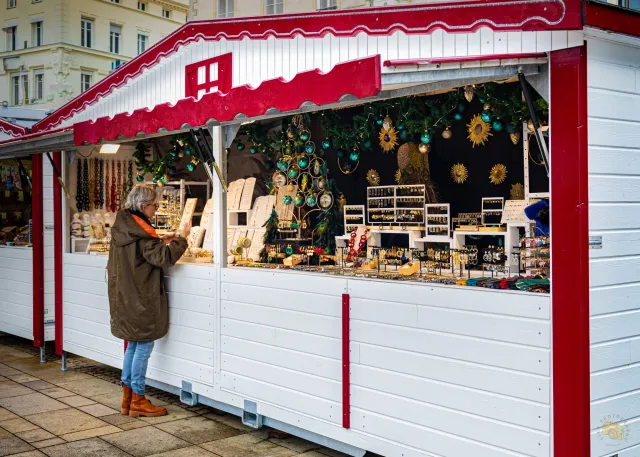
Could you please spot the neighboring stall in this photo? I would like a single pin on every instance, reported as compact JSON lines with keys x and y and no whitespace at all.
{"x":337,"y":344}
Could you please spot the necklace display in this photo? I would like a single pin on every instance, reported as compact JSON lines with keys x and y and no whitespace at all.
{"x":352,"y":241}
{"x":112,"y":190}
{"x":129,"y":180}
{"x":107,"y":194}
{"x":92,"y":184}
{"x":97,"y":180}
{"x":118,"y":188}
{"x":79,"y":203}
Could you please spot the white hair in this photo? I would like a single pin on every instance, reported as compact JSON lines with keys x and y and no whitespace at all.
{"x":141,"y":196}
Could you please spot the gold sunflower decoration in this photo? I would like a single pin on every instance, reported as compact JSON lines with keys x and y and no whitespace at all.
{"x":398,"y":176}
{"x":373,"y":177}
{"x":388,"y":135}
{"x":517,"y":191}
{"x":459,"y":173}
{"x":498,"y":174}
{"x":479,"y":131}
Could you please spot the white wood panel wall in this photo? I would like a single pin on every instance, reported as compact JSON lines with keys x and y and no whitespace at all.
{"x":255,"y":61}
{"x":614,"y":214}
{"x":16,"y":291}
{"x":434,"y":370}
{"x":49,"y":279}
{"x":186,"y":353}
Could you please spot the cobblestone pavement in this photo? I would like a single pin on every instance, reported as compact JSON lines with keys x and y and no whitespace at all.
{"x":47,"y":412}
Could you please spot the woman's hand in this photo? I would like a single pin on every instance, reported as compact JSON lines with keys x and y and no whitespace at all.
{"x":186,"y":230}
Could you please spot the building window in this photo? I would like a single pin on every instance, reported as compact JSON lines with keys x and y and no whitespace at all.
{"x":20,"y":89}
{"x":85,"y":81}
{"x":166,"y":13}
{"x":38,"y":79}
{"x":115,"y":1}
{"x":11,"y":37}
{"x":327,"y":4}
{"x":11,"y":3}
{"x":115,"y":35}
{"x":36,"y":29}
{"x":15,"y":90}
{"x":36,"y":1}
{"x":143,"y":42}
{"x":225,"y":8}
{"x":87,"y":33}
{"x":142,"y":6}
{"x":274,"y":6}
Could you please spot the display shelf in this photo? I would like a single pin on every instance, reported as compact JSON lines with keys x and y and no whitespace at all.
{"x":492,"y":209}
{"x":511,"y":236}
{"x":407,"y":200}
{"x":441,"y":211}
{"x":353,"y":216}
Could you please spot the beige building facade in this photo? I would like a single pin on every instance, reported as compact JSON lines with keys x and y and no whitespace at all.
{"x":52,"y":50}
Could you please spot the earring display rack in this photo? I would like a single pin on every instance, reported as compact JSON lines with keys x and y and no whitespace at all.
{"x":491,"y":218}
{"x":535,"y":255}
{"x":396,"y":205}
{"x":437,"y":219}
{"x":354,"y":215}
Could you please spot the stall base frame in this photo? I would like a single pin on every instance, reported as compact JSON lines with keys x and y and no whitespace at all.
{"x":266,"y":421}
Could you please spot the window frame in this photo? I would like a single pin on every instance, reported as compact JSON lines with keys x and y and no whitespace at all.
{"x":329,"y":6}
{"x":166,"y":13}
{"x":38,"y":86}
{"x":146,"y":41}
{"x":15,"y":84}
{"x":12,"y":38}
{"x":86,"y":34}
{"x":37,"y":33}
{"x":273,"y":4}
{"x":115,"y":39}
{"x":83,"y":76}
{"x":227,"y":13}
{"x":12,"y":4}
{"x":144,"y":6}
{"x":117,"y":2}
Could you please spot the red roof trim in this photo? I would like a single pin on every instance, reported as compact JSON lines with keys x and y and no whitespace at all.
{"x":12,"y":129}
{"x":440,"y":60}
{"x":360,"y":78}
{"x":456,"y":16}
{"x":612,"y":18}
{"x":31,"y":136}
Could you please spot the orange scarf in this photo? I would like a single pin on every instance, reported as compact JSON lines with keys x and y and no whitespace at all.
{"x":144,"y":226}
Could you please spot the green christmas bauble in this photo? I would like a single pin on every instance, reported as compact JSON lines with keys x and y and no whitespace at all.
{"x":191,"y":167}
{"x":461,"y":107}
{"x":311,"y":200}
{"x":173,"y":153}
{"x":497,"y":125}
{"x":482,"y":100}
{"x":380,"y":121}
{"x":294,"y":225}
{"x":510,"y":128}
{"x":425,"y":137}
{"x":268,"y":164}
{"x":293,"y":173}
{"x":457,"y":116}
{"x":400,"y":127}
{"x":188,"y":152}
{"x":340,"y":153}
{"x":354,"y":156}
{"x":282,"y":165}
{"x":303,"y":162}
{"x":289,"y":250}
{"x":326,"y":144}
{"x":286,"y":199}
{"x":304,"y":136}
{"x":298,"y":200}
{"x":163,"y":180}
{"x":240,"y":146}
{"x":368,"y":144}
{"x":139,"y":178}
{"x":309,"y":148}
{"x":486,"y":116}
{"x":403,"y":135}
{"x":154,"y":180}
{"x":253,"y":150}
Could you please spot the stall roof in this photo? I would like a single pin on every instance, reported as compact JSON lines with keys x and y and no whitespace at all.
{"x":11,"y":129}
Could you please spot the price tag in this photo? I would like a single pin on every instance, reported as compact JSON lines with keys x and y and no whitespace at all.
{"x":514,"y":212}
{"x":20,"y":196}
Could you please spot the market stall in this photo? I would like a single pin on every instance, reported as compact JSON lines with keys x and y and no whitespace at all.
{"x":376,"y":281}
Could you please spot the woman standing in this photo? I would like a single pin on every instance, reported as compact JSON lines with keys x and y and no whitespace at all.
{"x":137,"y":294}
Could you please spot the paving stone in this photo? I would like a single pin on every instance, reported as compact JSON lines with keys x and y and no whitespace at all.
{"x":173,"y":413}
{"x":57,"y":376}
{"x":112,"y":400}
{"x":30,"y":454}
{"x":145,"y":441}
{"x":97,"y":410}
{"x":83,"y":435}
{"x":132,"y":425}
{"x":331,"y":453}
{"x":198,"y":430}
{"x":4,"y":433}
{"x":2,"y":378}
{"x":35,"y":435}
{"x":296,"y":444}
{"x":22,"y":377}
{"x":90,"y":387}
{"x":93,"y":447}
{"x":13,"y":445}
{"x":38,"y":385}
{"x":118,"y":419}
{"x":29,"y":365}
{"x":6,"y":415}
{"x":66,"y":421}
{"x":247,"y":445}
{"x":33,"y":403}
{"x":76,"y":400}
{"x":17,"y":425}
{"x":57,"y":392}
{"x":12,"y":389}
{"x":47,"y":443}
{"x":230,"y":420}
{"x":194,"y":451}
{"x":6,"y":370}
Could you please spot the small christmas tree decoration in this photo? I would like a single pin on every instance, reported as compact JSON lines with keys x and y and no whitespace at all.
{"x":479,"y":131}
{"x":515,"y":137}
{"x":286,"y":199}
{"x":298,"y":200}
{"x":311,"y":200}
{"x":468,"y":93}
{"x":424,"y":148}
{"x":354,"y":156}
{"x":497,"y":125}
{"x":303,"y":162}
{"x":373,"y":178}
{"x":380,"y":121}
{"x":446,"y":133}
{"x":326,"y":143}
{"x":305,"y":135}
{"x":517,"y":191}
{"x":530,"y":125}
{"x":457,"y":116}
{"x":240,"y":147}
{"x":309,"y":147}
{"x":486,"y":116}
{"x":459,"y":173}
{"x":139,"y":178}
{"x":253,"y":150}
{"x":388,"y":136}
{"x":425,"y":137}
{"x":498,"y":174}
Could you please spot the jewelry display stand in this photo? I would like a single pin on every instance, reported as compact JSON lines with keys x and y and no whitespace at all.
{"x":491,"y":218}
{"x":353,"y":216}
{"x":389,"y":206}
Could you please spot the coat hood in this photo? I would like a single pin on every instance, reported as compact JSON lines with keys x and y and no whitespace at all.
{"x":126,"y":230}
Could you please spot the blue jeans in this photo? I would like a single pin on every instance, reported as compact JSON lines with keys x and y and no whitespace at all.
{"x":134,"y":369}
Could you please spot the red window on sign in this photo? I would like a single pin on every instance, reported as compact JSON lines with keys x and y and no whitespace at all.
{"x":211,"y":75}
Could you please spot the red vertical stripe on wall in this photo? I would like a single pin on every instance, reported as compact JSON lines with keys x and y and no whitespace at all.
{"x":38,"y":250}
{"x":570,"y":252}
{"x":57,"y":252}
{"x":346,"y":360}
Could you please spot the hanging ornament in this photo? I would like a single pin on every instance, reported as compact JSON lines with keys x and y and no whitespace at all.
{"x":425,"y":137}
{"x":309,"y":147}
{"x":468,"y":93}
{"x":290,"y":187}
{"x":515,"y":137}
{"x":187,"y":151}
{"x":293,"y":172}
{"x":303,"y":162}
{"x":479,"y":131}
{"x":164,"y":179}
{"x":282,"y":165}
{"x":253,"y":150}
{"x":403,"y":135}
{"x":373,"y":177}
{"x":457,"y":116}
{"x":446,"y":134}
{"x":305,"y":135}
{"x":388,"y":135}
{"x":278,"y":179}
{"x":181,"y":154}
{"x":191,"y":166}
{"x":424,"y":148}
{"x":339,"y":153}
{"x":400,"y":126}
{"x":298,"y":200}
{"x":326,"y":143}
{"x":380,"y":121}
{"x":311,"y":200}
{"x":240,"y":147}
{"x":461,"y":107}
{"x":173,"y":152}
{"x":290,"y":134}
{"x":517,"y":191}
{"x":510,"y":128}
{"x":286,"y":199}
{"x":154,"y":180}
{"x":482,"y":99}
{"x":497,"y":125}
{"x":530,"y":125}
{"x":354,"y":156}
{"x":459,"y":173}
{"x":498,"y":174}
{"x":398,"y":177}
{"x":486,"y":116}
{"x":139,"y":178}
{"x":367,"y":144}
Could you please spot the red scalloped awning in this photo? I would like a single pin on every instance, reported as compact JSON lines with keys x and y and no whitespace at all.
{"x":12,"y":129}
{"x":360,"y":78}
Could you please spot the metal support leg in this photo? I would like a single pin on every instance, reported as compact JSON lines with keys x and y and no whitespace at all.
{"x":64,"y":361}
{"x":43,"y":357}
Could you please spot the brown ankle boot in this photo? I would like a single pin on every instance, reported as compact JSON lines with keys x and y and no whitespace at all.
{"x":140,"y":406}
{"x":126,"y":400}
